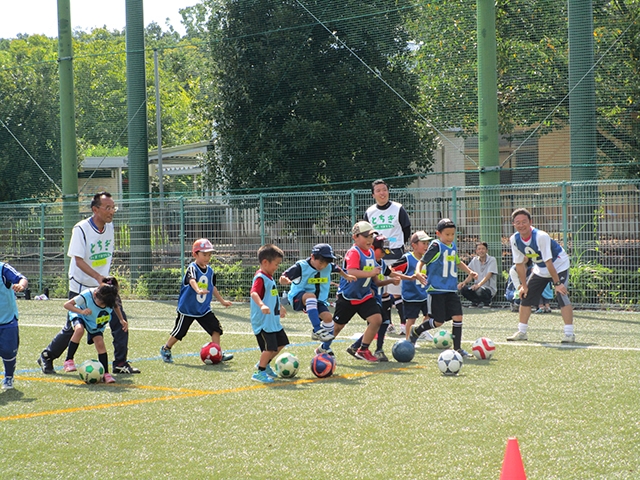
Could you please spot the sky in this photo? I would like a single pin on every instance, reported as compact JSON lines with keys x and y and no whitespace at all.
{"x":40,"y":16}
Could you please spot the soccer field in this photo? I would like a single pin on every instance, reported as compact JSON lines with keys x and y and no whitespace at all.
{"x":574,"y":409}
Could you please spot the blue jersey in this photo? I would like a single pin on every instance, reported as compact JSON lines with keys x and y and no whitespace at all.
{"x":412,"y":290}
{"x":97,"y":320}
{"x":307,"y":279}
{"x":532,"y":249}
{"x":360,"y":290}
{"x":189,"y":302}
{"x":270,"y":322}
{"x":9,"y":307}
{"x":442,"y":267}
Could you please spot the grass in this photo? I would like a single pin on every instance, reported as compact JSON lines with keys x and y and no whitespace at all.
{"x":574,"y":410}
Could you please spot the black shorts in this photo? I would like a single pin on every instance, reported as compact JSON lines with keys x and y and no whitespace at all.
{"x":271,"y":341}
{"x":90,"y":336}
{"x":536,"y":286}
{"x":445,"y":306}
{"x":345,"y":310}
{"x":299,"y":306}
{"x":412,"y":310}
{"x":209,"y":322}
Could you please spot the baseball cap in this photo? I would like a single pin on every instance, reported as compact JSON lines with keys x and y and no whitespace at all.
{"x":324,"y":250}
{"x":202,"y":245}
{"x":445,"y":223}
{"x":361,"y":227}
{"x":381,"y":242}
{"x":420,"y":236}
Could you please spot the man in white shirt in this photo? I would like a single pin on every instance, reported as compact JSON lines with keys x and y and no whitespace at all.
{"x":481,"y":291}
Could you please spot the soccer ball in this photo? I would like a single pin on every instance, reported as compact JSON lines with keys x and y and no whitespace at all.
{"x":211,"y":353}
{"x":450,"y":362}
{"x":323,"y":365}
{"x":443,"y":339}
{"x":91,"y":371}
{"x":403,"y":351}
{"x":483,"y":348}
{"x":287,"y":365}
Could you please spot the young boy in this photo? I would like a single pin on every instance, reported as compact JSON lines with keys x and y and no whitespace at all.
{"x":266,"y":312}
{"x":91,"y":311}
{"x":310,"y":281}
{"x":442,"y":261}
{"x":380,"y":249}
{"x":194,"y":302}
{"x":357,"y":297}
{"x":414,"y":293}
{"x":12,"y":281}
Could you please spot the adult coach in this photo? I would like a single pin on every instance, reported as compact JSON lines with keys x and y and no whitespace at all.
{"x":91,"y":250}
{"x":391,"y":220}
{"x":483,"y":288}
{"x":550,"y":262}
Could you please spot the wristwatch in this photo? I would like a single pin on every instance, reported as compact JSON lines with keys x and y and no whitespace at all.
{"x":555,"y":284}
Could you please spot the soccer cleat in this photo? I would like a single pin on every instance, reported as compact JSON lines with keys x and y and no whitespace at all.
{"x":403,"y":329}
{"x":46,"y":364}
{"x":352,"y":351}
{"x":363,"y":354}
{"x":108,"y":378}
{"x":322,"y":335}
{"x":426,"y":336}
{"x":165,"y":353}
{"x":227,"y":356}
{"x":391,"y":330}
{"x":261,"y":376}
{"x":7,"y":383}
{"x":568,"y":338}
{"x":413,"y":337}
{"x":69,"y":366}
{"x":517,"y":337}
{"x":125,"y":368}
{"x":268,"y":370}
{"x":328,"y":351}
{"x":540,"y":310}
{"x":463,"y":353}
{"x":381,"y":356}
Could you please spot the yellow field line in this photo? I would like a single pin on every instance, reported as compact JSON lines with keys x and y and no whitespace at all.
{"x":183,"y":393}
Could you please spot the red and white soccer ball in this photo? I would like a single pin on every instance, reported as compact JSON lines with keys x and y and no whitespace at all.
{"x":483,"y":348}
{"x":211,"y":353}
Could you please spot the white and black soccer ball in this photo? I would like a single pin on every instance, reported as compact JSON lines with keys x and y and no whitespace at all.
{"x":287,"y":365}
{"x":91,"y":371}
{"x":483,"y":348}
{"x":450,"y":362}
{"x":443,"y":339}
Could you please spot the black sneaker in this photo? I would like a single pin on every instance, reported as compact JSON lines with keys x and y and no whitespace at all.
{"x":352,"y":351}
{"x":125,"y":368}
{"x":46,"y":364}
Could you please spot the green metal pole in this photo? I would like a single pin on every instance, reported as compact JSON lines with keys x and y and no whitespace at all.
{"x":488,"y":140}
{"x":138,"y":151}
{"x":68,"y":153}
{"x":41,"y":270}
{"x":182,"y":237}
{"x":262,"y":221}
{"x":353,"y":207}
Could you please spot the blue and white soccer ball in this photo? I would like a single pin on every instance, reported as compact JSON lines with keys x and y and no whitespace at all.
{"x":287,"y":365}
{"x":443,"y":339}
{"x":91,"y":371}
{"x":450,"y":362}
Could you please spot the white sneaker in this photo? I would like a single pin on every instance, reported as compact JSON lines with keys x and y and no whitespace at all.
{"x":426,"y":336}
{"x":518,"y":336}
{"x":322,"y":335}
{"x":403,"y":329}
{"x":391,"y":330}
{"x":568,"y":339}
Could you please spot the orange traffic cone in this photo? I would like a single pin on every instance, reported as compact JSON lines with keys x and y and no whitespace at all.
{"x":512,"y":467}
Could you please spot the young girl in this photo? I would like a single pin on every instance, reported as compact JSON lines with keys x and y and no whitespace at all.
{"x":91,"y":311}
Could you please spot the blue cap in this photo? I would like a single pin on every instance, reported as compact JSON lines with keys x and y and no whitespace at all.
{"x":324,"y":250}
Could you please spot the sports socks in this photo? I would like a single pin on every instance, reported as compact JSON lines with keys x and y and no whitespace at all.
{"x":104,"y":360}
{"x":9,"y":366}
{"x":456,"y":332}
{"x":328,"y":326}
{"x":381,"y":333}
{"x":522,"y":327}
{"x":312,"y":311}
{"x":568,"y":329}
{"x":73,"y":348}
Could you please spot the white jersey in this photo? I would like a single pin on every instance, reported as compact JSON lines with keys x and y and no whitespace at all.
{"x":95,"y":247}
{"x":387,"y":222}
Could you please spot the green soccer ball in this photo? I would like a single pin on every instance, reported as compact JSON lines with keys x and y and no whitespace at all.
{"x":91,"y":371}
{"x":287,"y":365}
{"x":443,"y":339}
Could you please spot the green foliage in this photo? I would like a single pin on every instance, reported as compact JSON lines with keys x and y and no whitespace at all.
{"x":590,"y":283}
{"x":163,"y":283}
{"x":233,"y":278}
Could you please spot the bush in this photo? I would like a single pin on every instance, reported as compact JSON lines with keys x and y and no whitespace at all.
{"x":161,"y":284}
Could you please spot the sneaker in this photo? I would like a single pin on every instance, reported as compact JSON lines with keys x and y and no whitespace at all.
{"x":413,"y":337}
{"x":125,"y":368}
{"x":69,"y":366}
{"x":515,"y":307}
{"x":322,"y":335}
{"x":261,"y":376}
{"x":352,"y":351}
{"x":391,"y":330}
{"x":403,"y":329}
{"x":269,"y":371}
{"x":547,"y":310}
{"x":568,"y":339}
{"x":108,"y":378}
{"x":328,"y":351}
{"x":165,"y":353}
{"x":540,"y":310}
{"x":381,"y":356}
{"x":463,"y":353}
{"x":426,"y":336}
{"x":46,"y":364}
{"x":7,"y":383}
{"x":363,"y":354}
{"x":227,"y":356}
{"x":517,"y":337}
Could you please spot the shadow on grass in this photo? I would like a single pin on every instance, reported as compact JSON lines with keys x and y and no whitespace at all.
{"x":14,"y":395}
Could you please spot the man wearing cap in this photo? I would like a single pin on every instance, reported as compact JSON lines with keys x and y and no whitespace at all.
{"x":481,"y":290}
{"x":391,"y":220}
{"x":91,"y":250}
{"x":310,"y":281}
